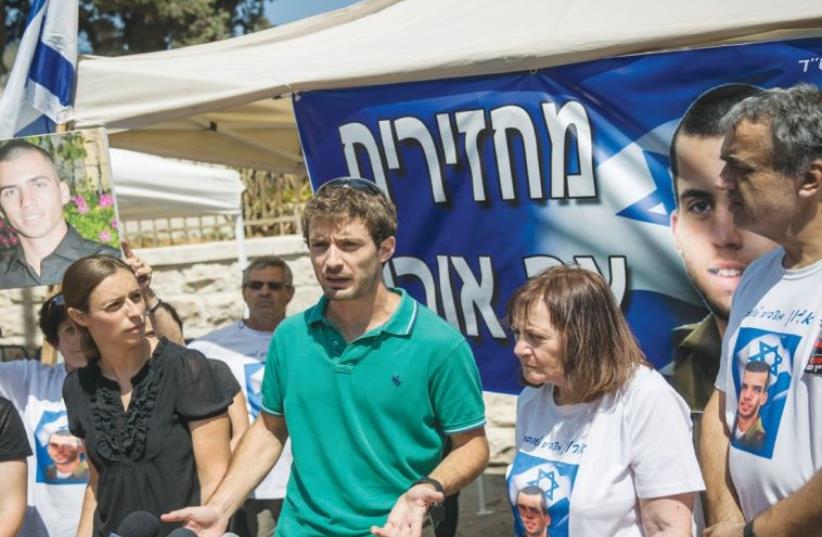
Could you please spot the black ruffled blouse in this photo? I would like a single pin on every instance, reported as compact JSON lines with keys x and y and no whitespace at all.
{"x":144,"y":455}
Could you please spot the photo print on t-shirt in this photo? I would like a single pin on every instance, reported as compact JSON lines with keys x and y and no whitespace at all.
{"x":254,"y":387}
{"x":540,"y":491}
{"x":61,"y":459}
{"x":762,"y":376}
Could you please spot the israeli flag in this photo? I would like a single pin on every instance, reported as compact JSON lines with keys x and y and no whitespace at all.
{"x":40,"y":88}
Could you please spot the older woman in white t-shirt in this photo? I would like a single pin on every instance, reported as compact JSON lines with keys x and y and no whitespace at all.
{"x":600,"y":434}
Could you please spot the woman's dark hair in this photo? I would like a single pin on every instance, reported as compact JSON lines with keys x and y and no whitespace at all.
{"x":52,"y":314}
{"x":600,"y":352}
{"x":79,"y":280}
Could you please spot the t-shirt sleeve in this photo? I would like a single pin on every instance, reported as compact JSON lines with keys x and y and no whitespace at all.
{"x":15,"y":379}
{"x":224,"y":378}
{"x":456,"y":391}
{"x":200,"y":394}
{"x":13,"y":442}
{"x":273,"y":389}
{"x":659,"y":434}
{"x":72,"y":398}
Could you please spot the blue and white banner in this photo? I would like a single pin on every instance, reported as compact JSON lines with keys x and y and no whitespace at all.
{"x":498,"y":177}
{"x":39,"y":90}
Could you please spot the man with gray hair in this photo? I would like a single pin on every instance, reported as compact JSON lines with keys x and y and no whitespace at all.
{"x":267,"y":289}
{"x":773,"y":176}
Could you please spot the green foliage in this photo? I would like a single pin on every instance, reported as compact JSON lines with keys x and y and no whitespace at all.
{"x":92,"y":215}
{"x":8,"y":239}
{"x":116,"y":27}
{"x":67,"y":150}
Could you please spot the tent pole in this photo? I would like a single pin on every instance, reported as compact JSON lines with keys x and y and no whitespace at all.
{"x":239,"y":236}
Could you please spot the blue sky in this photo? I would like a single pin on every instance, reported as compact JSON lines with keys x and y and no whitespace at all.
{"x":283,"y":11}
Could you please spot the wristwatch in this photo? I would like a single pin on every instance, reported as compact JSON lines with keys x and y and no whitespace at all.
{"x":436,"y":511}
{"x":749,"y":530}
{"x":430,"y":481}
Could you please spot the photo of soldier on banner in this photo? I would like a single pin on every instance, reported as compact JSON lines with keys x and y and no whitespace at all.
{"x":57,"y":205}
{"x":609,"y":164}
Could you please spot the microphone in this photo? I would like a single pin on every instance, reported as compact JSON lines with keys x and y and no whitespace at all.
{"x":182,"y":532}
{"x":138,"y":524}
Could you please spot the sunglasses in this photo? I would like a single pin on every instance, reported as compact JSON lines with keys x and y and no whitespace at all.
{"x":355,"y":183}
{"x":274,"y":286}
{"x":55,"y":301}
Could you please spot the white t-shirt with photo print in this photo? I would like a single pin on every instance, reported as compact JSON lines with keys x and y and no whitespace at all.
{"x":244,"y":351}
{"x":54,"y":501}
{"x":775,"y":319}
{"x":594,"y":461}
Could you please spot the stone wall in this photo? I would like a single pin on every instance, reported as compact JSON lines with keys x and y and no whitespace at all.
{"x":202,"y":282}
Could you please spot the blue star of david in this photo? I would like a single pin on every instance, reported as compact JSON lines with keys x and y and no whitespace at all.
{"x":642,"y":209}
{"x":766,"y":350}
{"x":552,"y":484}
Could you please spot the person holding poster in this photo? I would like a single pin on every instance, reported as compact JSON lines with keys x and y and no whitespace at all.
{"x":32,"y":197}
{"x":714,"y":251}
{"x":151,"y":413}
{"x":605,"y":437}
{"x":767,"y":381}
{"x":58,"y":467}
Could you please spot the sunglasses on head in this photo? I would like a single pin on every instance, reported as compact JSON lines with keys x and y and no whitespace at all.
{"x":257,"y":285}
{"x":56,"y":300}
{"x":355,"y":183}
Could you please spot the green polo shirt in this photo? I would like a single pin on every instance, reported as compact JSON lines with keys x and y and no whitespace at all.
{"x":366,"y":418}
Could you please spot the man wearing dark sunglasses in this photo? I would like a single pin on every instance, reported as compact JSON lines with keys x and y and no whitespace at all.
{"x":267,"y":289}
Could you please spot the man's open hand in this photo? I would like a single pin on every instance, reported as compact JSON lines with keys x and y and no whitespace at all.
{"x":408,"y":514}
{"x":203,"y":520}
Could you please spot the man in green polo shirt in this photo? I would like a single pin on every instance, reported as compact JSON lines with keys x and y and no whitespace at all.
{"x":368,"y":383}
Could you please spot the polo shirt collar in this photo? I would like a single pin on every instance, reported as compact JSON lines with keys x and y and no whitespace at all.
{"x":72,"y":242}
{"x":400,"y":323}
{"x":65,"y":248}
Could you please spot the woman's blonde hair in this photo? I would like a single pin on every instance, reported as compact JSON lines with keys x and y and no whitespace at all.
{"x":79,"y":281}
{"x":600,"y":352}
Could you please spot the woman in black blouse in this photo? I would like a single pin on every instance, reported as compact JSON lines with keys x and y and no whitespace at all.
{"x":150,"y":412}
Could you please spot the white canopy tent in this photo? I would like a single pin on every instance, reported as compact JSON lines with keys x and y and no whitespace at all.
{"x":219,"y":102}
{"x":147,"y":187}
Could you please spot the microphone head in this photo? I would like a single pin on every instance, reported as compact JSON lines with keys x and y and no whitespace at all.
{"x":182,"y":532}
{"x":139,"y":524}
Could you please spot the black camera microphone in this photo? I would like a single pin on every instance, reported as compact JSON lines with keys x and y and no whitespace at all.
{"x":138,"y":524}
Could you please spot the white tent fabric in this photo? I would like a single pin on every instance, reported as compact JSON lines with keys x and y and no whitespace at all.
{"x":147,"y":187}
{"x":214,"y":102}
